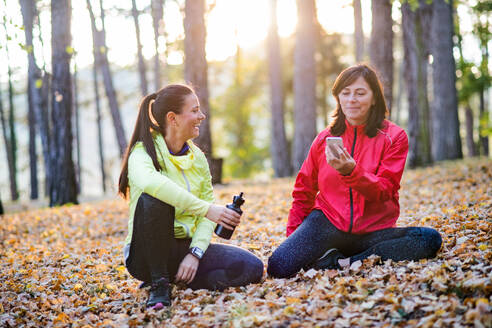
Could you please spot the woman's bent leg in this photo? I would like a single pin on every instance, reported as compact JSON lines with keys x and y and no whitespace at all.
{"x":398,"y":244}
{"x":225,"y":266}
{"x":312,"y":238}
{"x":153,"y":229}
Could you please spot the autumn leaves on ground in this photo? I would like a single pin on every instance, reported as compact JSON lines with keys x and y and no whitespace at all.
{"x":63,"y":266}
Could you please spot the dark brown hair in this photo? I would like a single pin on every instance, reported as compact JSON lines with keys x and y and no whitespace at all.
{"x":168,"y":99}
{"x":377,"y":113}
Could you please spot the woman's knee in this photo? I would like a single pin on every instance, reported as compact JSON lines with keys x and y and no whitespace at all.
{"x":432,"y":239}
{"x":153,"y":208}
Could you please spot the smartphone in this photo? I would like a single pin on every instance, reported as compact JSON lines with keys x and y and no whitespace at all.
{"x":331,"y":142}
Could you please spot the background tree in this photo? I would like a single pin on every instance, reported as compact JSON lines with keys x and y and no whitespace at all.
{"x":304,"y":82}
{"x":381,"y":45}
{"x":278,"y":141}
{"x":415,"y":23}
{"x":141,"y":62}
{"x":195,"y":65}
{"x":358,"y":31}
{"x":38,"y":86}
{"x":11,"y":117}
{"x":157,"y":7}
{"x":99,"y":38}
{"x":76,"y":123}
{"x":64,"y":186}
{"x":8,"y":151}
{"x":446,"y":141}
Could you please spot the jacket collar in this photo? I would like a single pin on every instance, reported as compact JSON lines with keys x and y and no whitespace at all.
{"x":350,"y":129}
{"x":183,"y":162}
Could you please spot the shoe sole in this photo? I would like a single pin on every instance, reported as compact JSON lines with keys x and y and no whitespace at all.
{"x":157,"y":306}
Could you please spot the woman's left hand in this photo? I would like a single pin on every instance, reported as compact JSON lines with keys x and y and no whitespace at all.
{"x":187,"y":269}
{"x":339,"y":158}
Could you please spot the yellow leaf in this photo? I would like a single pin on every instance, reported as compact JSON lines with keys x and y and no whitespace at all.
{"x":482,"y":300}
{"x":69,"y":50}
{"x":292,"y":300}
{"x":482,"y":247}
{"x":121,"y":269}
{"x":66,"y":256}
{"x":77,"y":287}
{"x":38,"y":83}
{"x":289,"y":310}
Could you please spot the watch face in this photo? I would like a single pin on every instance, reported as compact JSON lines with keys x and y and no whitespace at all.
{"x":197,"y":252}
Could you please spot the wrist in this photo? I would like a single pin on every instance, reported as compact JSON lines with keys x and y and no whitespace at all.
{"x":196,"y":252}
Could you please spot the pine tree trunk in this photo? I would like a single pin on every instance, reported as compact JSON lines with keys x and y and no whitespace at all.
{"x":95,"y":68}
{"x":33,"y":159}
{"x":157,"y":8}
{"x":381,"y":46}
{"x":278,"y":140}
{"x":1,"y":208}
{"x":99,"y":40}
{"x":195,"y":66}
{"x":446,"y":141}
{"x":141,"y":62}
{"x":415,"y":64}
{"x":484,"y":139}
{"x":304,"y":82}
{"x":64,"y":185}
{"x":75,"y":108}
{"x":358,"y":32}
{"x":13,"y":187}
{"x":12,"y":136}
{"x":470,"y":143}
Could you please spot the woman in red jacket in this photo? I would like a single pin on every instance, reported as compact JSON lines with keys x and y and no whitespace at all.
{"x":345,"y":203}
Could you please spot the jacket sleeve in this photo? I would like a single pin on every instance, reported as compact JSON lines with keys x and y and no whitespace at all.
{"x":385,"y":184}
{"x":305,"y":190}
{"x":205,"y":227}
{"x":142,"y":173}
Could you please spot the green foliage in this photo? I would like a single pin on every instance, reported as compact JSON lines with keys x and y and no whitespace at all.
{"x":236,"y":114}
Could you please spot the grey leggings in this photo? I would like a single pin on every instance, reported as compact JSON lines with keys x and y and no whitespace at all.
{"x":317,"y":234}
{"x":155,"y":253}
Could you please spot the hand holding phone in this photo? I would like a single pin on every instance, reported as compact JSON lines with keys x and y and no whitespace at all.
{"x":334,"y":145}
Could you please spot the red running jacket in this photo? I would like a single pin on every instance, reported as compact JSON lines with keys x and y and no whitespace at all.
{"x":367,"y":199}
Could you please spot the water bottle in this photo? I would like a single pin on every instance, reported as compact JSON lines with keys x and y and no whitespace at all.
{"x":222,"y":231}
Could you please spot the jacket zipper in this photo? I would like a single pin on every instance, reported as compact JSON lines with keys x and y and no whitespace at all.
{"x":189,"y":189}
{"x":350,"y":189}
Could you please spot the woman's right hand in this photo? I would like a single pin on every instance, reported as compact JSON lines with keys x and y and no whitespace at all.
{"x":223,"y":216}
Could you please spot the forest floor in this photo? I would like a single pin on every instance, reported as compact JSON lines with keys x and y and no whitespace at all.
{"x":64,"y":266}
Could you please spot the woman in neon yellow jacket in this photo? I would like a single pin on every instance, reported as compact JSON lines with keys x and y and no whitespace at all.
{"x":172,"y":215}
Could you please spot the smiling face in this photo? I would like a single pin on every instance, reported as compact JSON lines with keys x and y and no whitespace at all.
{"x":356,"y":100}
{"x":189,"y":120}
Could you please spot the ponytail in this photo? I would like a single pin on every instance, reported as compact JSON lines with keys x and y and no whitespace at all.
{"x":141,"y":132}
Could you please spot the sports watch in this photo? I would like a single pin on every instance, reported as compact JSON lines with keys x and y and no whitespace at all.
{"x":196,"y":252}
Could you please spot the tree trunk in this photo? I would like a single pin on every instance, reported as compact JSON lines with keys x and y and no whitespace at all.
{"x":446,"y":141}
{"x":12,"y":136}
{"x":195,"y":66}
{"x":358,"y":32}
{"x":13,"y":187}
{"x":141,"y":62}
{"x":157,"y":8}
{"x":304,"y":82}
{"x":64,"y":185}
{"x":381,"y":46}
{"x":484,"y":139}
{"x":415,"y":63}
{"x":470,"y":143}
{"x":278,"y":140}
{"x":99,"y":40}
{"x":95,"y":68}
{"x":33,"y":159}
{"x":1,"y":208}
{"x":75,"y":107}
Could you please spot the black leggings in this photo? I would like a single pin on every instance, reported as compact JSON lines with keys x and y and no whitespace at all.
{"x":317,"y":234}
{"x":155,"y":253}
